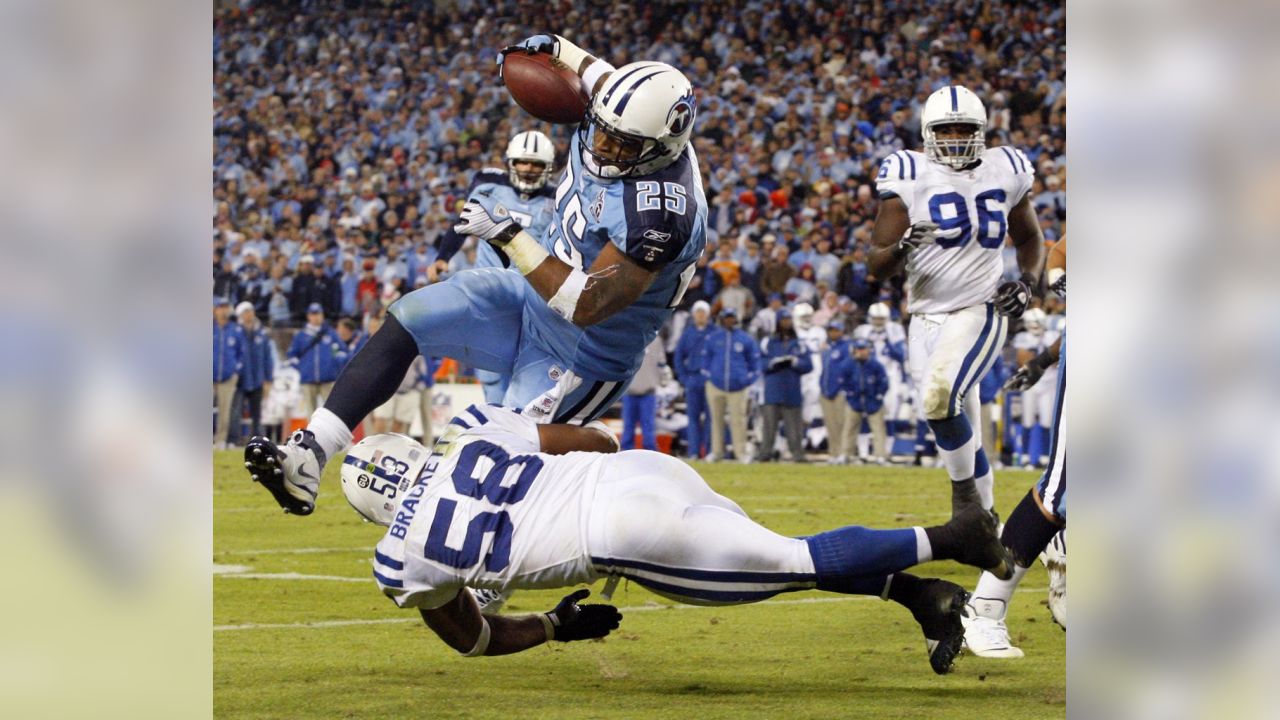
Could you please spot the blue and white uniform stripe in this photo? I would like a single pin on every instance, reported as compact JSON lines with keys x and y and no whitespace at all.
{"x":979,"y":359}
{"x":706,"y":587}
{"x":1052,"y":487}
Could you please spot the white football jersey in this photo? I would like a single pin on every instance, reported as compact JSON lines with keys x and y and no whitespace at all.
{"x":971,"y":209}
{"x":487,"y":511}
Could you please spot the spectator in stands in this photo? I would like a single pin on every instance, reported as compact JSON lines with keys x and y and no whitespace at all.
{"x":825,"y":264}
{"x":688,"y":370}
{"x":777,"y":272}
{"x":319,"y":354}
{"x":311,"y":287}
{"x":785,"y":359}
{"x":801,"y":288}
{"x":865,"y":383}
{"x":256,"y":374}
{"x":828,"y":309}
{"x":734,"y":296}
{"x":275,"y":293}
{"x":766,"y":320}
{"x":731,"y":362}
{"x":351,"y":336}
{"x":349,"y":281}
{"x":228,"y":360}
{"x":835,"y":409}
{"x":639,"y":405}
{"x":853,"y":279}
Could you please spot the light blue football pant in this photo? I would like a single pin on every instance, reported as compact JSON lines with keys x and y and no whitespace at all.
{"x":479,"y":317}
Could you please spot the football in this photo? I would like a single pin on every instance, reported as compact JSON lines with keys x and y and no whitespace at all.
{"x":545,"y":87}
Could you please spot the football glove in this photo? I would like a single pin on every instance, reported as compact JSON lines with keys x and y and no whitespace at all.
{"x":918,"y":236}
{"x":582,"y":622}
{"x":488,"y":219}
{"x":1029,"y":374}
{"x":535,"y":44}
{"x":1012,"y":297}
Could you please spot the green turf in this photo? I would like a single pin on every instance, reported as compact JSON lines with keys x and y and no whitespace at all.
{"x":840,"y":657}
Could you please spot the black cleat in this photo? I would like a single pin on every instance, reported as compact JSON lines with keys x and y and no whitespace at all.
{"x":979,"y":542}
{"x":938,"y":610}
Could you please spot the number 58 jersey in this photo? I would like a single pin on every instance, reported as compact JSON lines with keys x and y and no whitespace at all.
{"x":489,"y":511}
{"x":971,"y":209}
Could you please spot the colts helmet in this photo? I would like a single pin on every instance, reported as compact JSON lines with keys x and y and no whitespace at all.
{"x":378,"y":471}
{"x":802,"y":315}
{"x":647,"y":109}
{"x":878,"y":311}
{"x":530,"y":146}
{"x":953,"y":105}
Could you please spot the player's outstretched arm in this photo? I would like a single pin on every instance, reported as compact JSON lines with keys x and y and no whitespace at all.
{"x":461,"y":626}
{"x":558,"y":439}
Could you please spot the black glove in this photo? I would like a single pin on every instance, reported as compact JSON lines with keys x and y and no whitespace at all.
{"x":582,"y":622}
{"x":780,"y":363}
{"x":1029,"y":374}
{"x":1012,"y":297}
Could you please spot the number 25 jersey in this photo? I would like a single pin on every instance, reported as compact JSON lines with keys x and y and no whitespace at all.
{"x":971,"y":209}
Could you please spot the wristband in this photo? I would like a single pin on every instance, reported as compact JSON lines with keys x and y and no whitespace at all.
{"x":1054,"y":273}
{"x":1032,"y":282}
{"x":1041,"y":362}
{"x":570,"y":54}
{"x":565,"y":301}
{"x":549,"y":626}
{"x":482,"y":642}
{"x":525,"y":252}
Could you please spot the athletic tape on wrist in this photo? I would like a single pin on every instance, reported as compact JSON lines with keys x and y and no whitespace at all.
{"x":482,"y":642}
{"x":549,"y":626}
{"x":570,"y":54}
{"x":565,"y":301}
{"x":594,"y":71}
{"x":525,"y":252}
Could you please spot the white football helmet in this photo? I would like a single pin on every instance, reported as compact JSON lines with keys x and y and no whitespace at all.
{"x":530,"y":146}
{"x":953,"y":105}
{"x":1034,"y":321}
{"x":802,"y":316}
{"x":639,"y":121}
{"x":378,"y":471}
{"x":878,"y":314}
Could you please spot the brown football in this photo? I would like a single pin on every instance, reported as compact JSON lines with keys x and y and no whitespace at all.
{"x":545,"y":87}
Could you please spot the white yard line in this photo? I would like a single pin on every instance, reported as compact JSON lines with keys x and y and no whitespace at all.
{"x":624,"y":610}
{"x":293,"y":576}
{"x":297,"y":551}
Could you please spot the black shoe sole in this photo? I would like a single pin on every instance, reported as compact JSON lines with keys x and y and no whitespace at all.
{"x":944,"y":654}
{"x":262,"y":459}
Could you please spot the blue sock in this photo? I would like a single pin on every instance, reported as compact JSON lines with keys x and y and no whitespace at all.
{"x":950,"y":433}
{"x":844,"y":558}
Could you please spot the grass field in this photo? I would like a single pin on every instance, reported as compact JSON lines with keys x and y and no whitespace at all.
{"x":301,"y":631}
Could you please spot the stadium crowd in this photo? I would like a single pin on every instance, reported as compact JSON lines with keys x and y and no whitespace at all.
{"x":346,"y":136}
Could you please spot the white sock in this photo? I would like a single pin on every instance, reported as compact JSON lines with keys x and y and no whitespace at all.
{"x":991,"y":597}
{"x":924,"y":549}
{"x":959,"y":462}
{"x":332,"y":434}
{"x":986,"y":489}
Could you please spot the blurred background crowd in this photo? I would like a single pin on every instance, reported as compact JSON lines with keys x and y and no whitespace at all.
{"x":346,"y":136}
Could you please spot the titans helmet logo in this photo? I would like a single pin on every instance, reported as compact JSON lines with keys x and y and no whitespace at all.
{"x":681,"y":115}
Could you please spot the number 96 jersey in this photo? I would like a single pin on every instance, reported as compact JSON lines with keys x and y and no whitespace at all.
{"x":489,"y":511}
{"x":971,"y":209}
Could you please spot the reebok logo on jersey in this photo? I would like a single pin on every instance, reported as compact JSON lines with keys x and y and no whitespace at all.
{"x":656,"y":236}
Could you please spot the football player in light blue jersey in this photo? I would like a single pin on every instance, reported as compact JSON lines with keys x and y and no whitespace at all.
{"x":523,"y":188}
{"x":570,"y":328}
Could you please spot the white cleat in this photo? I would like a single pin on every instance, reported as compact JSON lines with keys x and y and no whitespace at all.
{"x":291,"y":472}
{"x":987,"y":637}
{"x":1054,"y":558}
{"x":490,"y":601}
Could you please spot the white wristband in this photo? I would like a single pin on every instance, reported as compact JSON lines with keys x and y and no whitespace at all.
{"x":592,"y":74}
{"x":549,"y":626}
{"x":525,"y":252}
{"x":570,"y":54}
{"x":482,"y":642}
{"x":565,"y":301}
{"x":1054,"y":274}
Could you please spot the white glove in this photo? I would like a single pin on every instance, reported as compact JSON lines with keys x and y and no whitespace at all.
{"x":487,"y":219}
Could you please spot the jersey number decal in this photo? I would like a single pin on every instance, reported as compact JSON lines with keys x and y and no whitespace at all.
{"x":988,"y":237}
{"x":652,"y":196}
{"x":481,"y":468}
